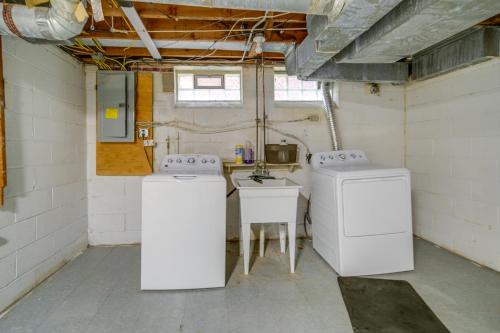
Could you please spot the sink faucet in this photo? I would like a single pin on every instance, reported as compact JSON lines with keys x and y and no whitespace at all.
{"x":261,"y":169}
{"x":261,"y":172}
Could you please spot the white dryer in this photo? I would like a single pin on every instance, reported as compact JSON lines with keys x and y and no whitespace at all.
{"x":361,"y":214}
{"x":184,"y":224}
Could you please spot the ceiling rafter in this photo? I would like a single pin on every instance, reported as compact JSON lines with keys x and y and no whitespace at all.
{"x":179,"y":12}
{"x":199,"y":28}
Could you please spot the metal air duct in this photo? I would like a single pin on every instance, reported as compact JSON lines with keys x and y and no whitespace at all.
{"x":329,"y":106}
{"x":59,"y":22}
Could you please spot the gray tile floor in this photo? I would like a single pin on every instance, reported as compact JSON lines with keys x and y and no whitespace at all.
{"x":99,"y":292}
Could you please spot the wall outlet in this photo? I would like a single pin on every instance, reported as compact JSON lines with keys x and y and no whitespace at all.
{"x":143,"y":133}
{"x":149,"y":143}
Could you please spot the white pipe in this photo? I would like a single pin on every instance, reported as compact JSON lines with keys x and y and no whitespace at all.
{"x":55,"y":23}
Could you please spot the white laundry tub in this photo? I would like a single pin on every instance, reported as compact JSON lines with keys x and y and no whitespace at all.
{"x":273,"y":201}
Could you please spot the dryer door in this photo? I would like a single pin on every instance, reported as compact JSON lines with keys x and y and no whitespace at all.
{"x":375,"y":206}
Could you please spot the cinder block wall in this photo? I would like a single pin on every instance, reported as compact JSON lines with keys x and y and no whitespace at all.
{"x":44,"y":221}
{"x":453,"y":151}
{"x":374,"y":123}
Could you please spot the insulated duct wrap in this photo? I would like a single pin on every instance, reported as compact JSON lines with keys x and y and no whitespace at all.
{"x":55,"y":23}
{"x":329,"y":106}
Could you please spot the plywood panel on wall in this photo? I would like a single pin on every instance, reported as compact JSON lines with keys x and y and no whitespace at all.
{"x":130,"y":159}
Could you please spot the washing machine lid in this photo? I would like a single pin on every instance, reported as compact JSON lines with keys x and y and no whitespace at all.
{"x":185,"y":177}
{"x":361,"y":170}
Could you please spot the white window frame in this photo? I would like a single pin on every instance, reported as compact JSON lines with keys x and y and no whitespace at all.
{"x":291,"y":103}
{"x":206,"y":71}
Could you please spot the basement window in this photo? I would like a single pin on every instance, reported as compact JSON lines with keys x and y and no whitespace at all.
{"x":206,"y":85}
{"x":289,"y":88}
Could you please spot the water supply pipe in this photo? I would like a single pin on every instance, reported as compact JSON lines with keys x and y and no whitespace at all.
{"x":330,"y":106}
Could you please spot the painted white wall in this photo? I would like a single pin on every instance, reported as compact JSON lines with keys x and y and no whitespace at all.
{"x":369,"y":122}
{"x":43,"y":223}
{"x":453,"y":152}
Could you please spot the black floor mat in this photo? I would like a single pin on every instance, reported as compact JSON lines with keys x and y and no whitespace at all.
{"x":387,"y":306}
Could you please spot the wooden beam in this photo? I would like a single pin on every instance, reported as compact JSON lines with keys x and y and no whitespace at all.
{"x":269,"y":25}
{"x":286,"y":37}
{"x":184,"y":53}
{"x":178,"y":13}
{"x":494,"y":21}
{"x":188,"y":30}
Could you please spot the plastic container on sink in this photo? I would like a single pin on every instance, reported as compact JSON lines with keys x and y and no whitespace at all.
{"x":281,"y":153}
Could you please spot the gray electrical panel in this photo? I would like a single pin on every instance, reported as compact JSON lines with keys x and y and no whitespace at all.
{"x":116,"y":106}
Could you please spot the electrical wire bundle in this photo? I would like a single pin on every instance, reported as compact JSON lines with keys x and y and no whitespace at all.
{"x":242,"y":125}
{"x":97,"y":52}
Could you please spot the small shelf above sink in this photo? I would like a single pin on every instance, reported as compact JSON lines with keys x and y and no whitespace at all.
{"x":230,"y":166}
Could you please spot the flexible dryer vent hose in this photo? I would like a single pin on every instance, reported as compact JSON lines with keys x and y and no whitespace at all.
{"x":329,"y":106}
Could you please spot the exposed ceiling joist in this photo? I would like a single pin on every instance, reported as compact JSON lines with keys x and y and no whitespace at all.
{"x":186,"y":44}
{"x":184,"y":53}
{"x":190,"y":13}
{"x":195,"y":30}
{"x":293,"y":6}
{"x":136,"y":21}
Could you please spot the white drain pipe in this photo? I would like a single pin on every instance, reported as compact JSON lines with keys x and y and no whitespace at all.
{"x":58,"y":22}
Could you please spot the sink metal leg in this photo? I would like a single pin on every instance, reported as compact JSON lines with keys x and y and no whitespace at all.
{"x":245,"y":233}
{"x":262,"y":239}
{"x":282,"y":232}
{"x":291,"y":245}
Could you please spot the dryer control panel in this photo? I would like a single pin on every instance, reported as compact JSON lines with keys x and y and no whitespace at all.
{"x":339,"y":157}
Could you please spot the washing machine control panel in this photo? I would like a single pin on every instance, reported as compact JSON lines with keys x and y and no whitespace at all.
{"x":194,"y":163}
{"x":339,"y":157}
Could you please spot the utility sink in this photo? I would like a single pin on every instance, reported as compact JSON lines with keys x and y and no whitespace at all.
{"x":278,"y":183}
{"x":272,"y":201}
{"x":267,"y":201}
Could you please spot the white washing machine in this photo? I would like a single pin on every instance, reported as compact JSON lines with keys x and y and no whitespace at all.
{"x":184,"y":224}
{"x":361,"y":214}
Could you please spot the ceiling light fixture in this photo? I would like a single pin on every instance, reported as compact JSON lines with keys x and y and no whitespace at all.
{"x":259,"y":40}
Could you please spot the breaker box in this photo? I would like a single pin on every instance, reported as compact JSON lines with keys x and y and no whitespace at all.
{"x":116,"y":106}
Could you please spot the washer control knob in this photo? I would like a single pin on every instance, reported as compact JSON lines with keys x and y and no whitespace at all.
{"x":204,"y":161}
{"x":323,"y":157}
{"x":170,"y":160}
{"x":342,"y":156}
{"x":178,"y":160}
{"x":212,"y":161}
{"x":330,"y":157}
{"x":353,"y":155}
{"x":191,"y":160}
